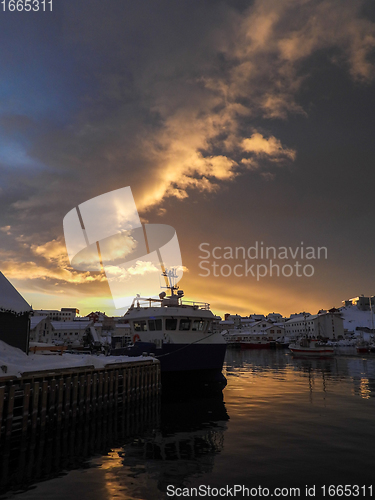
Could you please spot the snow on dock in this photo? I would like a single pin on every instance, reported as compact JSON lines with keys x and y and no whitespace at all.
{"x":14,"y":362}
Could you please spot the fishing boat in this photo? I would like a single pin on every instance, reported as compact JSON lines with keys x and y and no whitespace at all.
{"x":179,"y":333}
{"x":255,"y":342}
{"x":311,"y":347}
{"x":362,"y":347}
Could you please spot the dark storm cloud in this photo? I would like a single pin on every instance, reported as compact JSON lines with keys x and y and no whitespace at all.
{"x":176,"y":98}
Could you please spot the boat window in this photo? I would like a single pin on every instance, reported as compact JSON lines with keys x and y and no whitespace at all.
{"x":198,"y":324}
{"x":140,"y":326}
{"x":154,"y":324}
{"x":184,"y":324}
{"x":170,"y":324}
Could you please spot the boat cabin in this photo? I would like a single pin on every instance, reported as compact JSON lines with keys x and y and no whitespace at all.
{"x":183,"y":324}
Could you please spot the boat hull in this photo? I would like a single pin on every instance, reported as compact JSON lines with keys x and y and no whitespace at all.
{"x":255,"y":345}
{"x":312,"y":352}
{"x":180,"y":358}
{"x":363,"y":350}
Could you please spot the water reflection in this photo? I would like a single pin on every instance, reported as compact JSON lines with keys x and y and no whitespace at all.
{"x":170,"y":441}
{"x":281,"y":363}
{"x":47,"y":453}
{"x":293,"y":421}
{"x":190,"y":436}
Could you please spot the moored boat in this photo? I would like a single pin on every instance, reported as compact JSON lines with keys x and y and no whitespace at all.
{"x":311,"y":347}
{"x":362,"y":347}
{"x":178,"y":333}
{"x":256,"y":343}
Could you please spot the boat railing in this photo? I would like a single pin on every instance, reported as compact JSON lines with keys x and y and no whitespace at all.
{"x":198,"y":305}
{"x":154,"y":302}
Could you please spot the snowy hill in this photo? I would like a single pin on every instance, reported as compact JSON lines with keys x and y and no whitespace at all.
{"x":354,"y":318}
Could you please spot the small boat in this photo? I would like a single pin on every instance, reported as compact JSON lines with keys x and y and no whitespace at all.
{"x":311,"y":347}
{"x":256,"y":343}
{"x":362,"y":347}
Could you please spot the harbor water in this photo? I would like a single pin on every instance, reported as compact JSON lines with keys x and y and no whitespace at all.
{"x":281,"y":422}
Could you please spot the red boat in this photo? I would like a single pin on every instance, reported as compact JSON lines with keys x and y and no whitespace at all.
{"x":311,"y":347}
{"x":256,"y":344}
{"x":362,"y":347}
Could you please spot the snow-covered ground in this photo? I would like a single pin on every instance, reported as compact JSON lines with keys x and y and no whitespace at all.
{"x":14,"y":362}
{"x":354,"y":318}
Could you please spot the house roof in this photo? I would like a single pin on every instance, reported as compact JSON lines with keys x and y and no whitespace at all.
{"x":35,"y":320}
{"x":301,"y":319}
{"x":10,"y":299}
{"x":276,"y":326}
{"x":70,"y":325}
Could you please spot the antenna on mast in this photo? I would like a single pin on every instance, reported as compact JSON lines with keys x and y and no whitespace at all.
{"x":170,"y":277}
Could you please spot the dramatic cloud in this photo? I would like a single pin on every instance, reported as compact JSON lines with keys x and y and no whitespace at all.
{"x":179,"y":100}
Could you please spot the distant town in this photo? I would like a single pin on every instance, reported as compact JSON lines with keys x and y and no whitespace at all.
{"x":98,"y":331}
{"x":65,"y":326}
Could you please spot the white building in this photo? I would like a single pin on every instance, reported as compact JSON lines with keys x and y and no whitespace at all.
{"x":65,"y":314}
{"x":326,"y":325}
{"x":275,"y":331}
{"x":260,"y":326}
{"x":40,"y":329}
{"x":275,"y":317}
{"x":69,"y":332}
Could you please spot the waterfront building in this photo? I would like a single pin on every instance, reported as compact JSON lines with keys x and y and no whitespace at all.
{"x":275,"y":317}
{"x":327,"y":324}
{"x":259,"y":327}
{"x":96,"y":316}
{"x":69,"y":332}
{"x":41,"y":329}
{"x":361,"y":302}
{"x":14,"y":316}
{"x":275,"y":331}
{"x":65,"y":314}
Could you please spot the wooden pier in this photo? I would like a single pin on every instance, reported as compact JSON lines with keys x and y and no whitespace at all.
{"x":49,"y":419}
{"x":51,"y":398}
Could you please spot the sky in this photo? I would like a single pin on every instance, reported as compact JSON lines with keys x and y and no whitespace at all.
{"x":238,"y":123}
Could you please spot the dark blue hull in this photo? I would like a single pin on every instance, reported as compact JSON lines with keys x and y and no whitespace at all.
{"x":193,"y":363}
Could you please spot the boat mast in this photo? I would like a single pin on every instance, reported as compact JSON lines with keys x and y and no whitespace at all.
{"x":170,"y":277}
